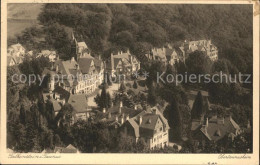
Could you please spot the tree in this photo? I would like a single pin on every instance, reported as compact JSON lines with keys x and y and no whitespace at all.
{"x":125,"y":143}
{"x":103,"y":100}
{"x":135,"y":85}
{"x":47,"y":139}
{"x":241,"y":114}
{"x":174,"y":117}
{"x":122,"y":87}
{"x":82,"y":133}
{"x":198,"y":63}
{"x":58,"y":38}
{"x":198,"y":109}
{"x":107,"y":79}
{"x":141,"y":146}
{"x":152,"y":97}
{"x":140,"y":49}
{"x":63,"y":121}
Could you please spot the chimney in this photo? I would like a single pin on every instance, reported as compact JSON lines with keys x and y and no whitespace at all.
{"x":57,"y":68}
{"x":87,"y":115}
{"x":109,"y":115}
{"x":121,"y":104}
{"x":207,"y":122}
{"x":150,"y":121}
{"x":51,"y":95}
{"x":121,"y":52}
{"x":77,"y":67}
{"x":63,"y":102}
{"x":120,"y":110}
{"x":57,"y":57}
{"x":140,"y":120}
{"x":116,"y":118}
{"x":135,"y":107}
{"x":127,"y":117}
{"x":122,"y":120}
{"x":72,"y":59}
{"x":128,"y":52}
{"x":104,"y":110}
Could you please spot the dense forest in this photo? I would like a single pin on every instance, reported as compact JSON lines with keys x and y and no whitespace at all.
{"x":110,"y":27}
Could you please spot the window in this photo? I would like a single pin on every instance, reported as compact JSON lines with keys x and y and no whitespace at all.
{"x":161,"y":129}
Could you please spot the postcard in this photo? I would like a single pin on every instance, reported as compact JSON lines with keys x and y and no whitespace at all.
{"x":129,"y":82}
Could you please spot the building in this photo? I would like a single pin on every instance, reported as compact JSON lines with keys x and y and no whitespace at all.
{"x":59,"y":97}
{"x":137,"y":123}
{"x":69,"y":149}
{"x":15,"y":54}
{"x":13,"y":60}
{"x":201,"y":45}
{"x":80,"y":107}
{"x":123,"y":63}
{"x":213,"y":129}
{"x":167,"y":55}
{"x":159,"y":54}
{"x":149,"y":125}
{"x":75,"y":77}
{"x":78,"y":49}
{"x":16,"y":50}
{"x":51,"y":55}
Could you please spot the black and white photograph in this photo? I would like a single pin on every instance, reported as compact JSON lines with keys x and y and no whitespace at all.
{"x":131,"y":78}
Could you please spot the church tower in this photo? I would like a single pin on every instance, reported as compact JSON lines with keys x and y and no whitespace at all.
{"x":74,"y":49}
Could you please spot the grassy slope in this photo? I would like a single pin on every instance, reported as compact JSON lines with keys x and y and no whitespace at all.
{"x":21,"y":16}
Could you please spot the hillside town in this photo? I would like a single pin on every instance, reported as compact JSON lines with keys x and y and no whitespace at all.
{"x":84,"y":101}
{"x":138,"y":122}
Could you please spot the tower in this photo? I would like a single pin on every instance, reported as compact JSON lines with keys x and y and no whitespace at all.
{"x":74,"y":49}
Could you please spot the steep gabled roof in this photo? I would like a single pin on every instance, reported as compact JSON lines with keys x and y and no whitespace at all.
{"x":78,"y":102}
{"x":9,"y":59}
{"x":216,"y":128}
{"x":135,"y":127}
{"x":158,"y":112}
{"x":16,"y":47}
{"x":62,"y":92}
{"x":69,"y":149}
{"x":82,"y":44}
{"x":84,"y":65}
{"x":67,"y":67}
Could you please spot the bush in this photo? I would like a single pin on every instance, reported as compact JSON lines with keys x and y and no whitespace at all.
{"x":128,"y":85}
{"x":135,"y":85}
